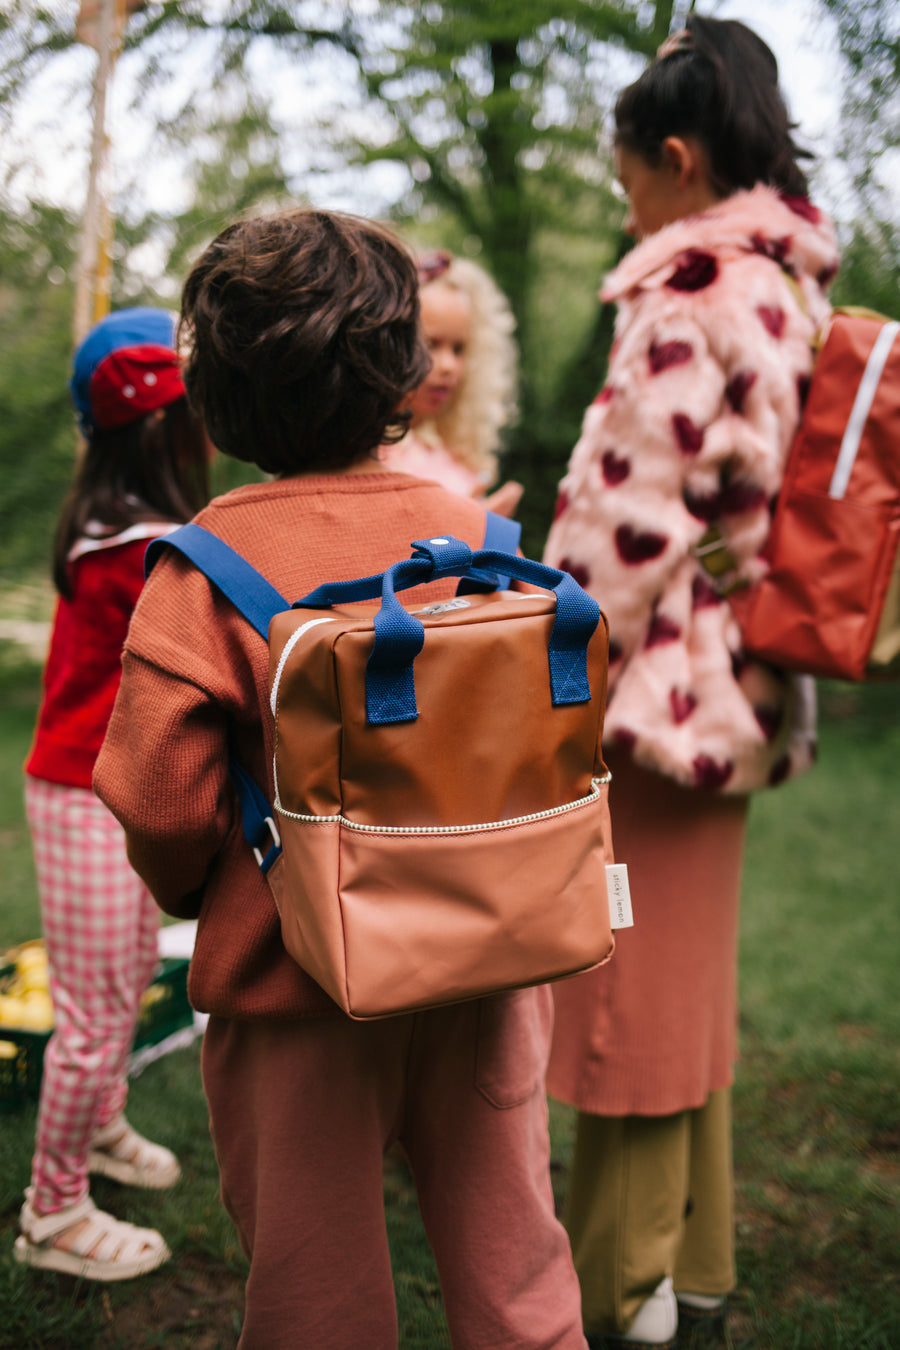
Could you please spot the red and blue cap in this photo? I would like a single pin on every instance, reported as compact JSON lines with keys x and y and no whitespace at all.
{"x":126,"y":367}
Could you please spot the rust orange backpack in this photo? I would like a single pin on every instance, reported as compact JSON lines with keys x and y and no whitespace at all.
{"x":440,"y":828}
{"x":830,"y":603}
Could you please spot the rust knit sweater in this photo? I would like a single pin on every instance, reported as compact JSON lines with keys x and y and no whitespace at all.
{"x":194,"y":690}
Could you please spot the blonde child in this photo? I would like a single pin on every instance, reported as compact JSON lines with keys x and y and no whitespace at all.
{"x":468,"y":396}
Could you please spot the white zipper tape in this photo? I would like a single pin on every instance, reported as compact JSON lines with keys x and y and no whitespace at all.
{"x":596,"y":784}
{"x":288,"y":648}
{"x":862,"y":404}
{"x":273,"y":697}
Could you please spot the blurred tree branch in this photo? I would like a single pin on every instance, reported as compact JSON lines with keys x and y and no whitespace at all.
{"x":869,"y":39}
{"x":493,"y":116}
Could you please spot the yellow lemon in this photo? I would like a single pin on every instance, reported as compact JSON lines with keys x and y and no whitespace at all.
{"x":37,"y":1012}
{"x":32,"y":978}
{"x":11,"y":1010}
{"x":152,"y":994}
{"x":32,"y":954}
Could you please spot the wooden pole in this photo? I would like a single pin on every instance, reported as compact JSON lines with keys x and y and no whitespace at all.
{"x":94,"y":274}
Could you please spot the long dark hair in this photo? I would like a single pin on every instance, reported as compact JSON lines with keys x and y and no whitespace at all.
{"x":156,"y":468}
{"x":716,"y":81}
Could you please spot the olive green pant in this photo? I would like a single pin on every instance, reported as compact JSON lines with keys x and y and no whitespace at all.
{"x":651,"y":1196}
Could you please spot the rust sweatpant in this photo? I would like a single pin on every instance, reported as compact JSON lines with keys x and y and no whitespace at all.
{"x":301,"y":1114}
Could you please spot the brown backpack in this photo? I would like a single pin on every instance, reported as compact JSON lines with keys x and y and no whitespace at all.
{"x":440,"y":829}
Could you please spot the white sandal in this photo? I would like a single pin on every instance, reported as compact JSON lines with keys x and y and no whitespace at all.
{"x":104,"y":1248}
{"x":119,"y":1152}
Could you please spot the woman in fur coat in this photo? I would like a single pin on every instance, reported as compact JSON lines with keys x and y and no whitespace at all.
{"x":718,"y":306}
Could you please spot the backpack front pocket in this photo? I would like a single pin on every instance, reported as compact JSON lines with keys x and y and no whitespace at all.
{"x":390,"y":920}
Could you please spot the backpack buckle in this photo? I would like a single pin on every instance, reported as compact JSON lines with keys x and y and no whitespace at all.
{"x":276,"y":840}
{"x":718,"y":562}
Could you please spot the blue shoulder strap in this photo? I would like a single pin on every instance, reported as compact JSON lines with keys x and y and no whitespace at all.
{"x":501,"y":535}
{"x":238,"y":581}
{"x":257,"y":816}
{"x":258,"y":601}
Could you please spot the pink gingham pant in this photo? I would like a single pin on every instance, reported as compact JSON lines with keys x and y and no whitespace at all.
{"x":100,"y":925}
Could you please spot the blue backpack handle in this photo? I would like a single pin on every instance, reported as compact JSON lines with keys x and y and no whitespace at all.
{"x":399,"y":635}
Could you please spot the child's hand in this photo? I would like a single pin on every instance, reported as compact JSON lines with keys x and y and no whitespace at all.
{"x":506,"y":499}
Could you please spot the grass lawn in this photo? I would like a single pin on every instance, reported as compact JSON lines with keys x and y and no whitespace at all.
{"x":817,"y":1099}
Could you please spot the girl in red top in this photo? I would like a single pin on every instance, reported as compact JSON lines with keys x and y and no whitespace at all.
{"x":143,"y":471}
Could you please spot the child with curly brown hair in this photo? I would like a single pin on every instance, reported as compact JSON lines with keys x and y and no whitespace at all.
{"x":303,"y":341}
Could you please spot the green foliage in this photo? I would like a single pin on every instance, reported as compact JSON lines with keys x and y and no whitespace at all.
{"x":495,"y":111}
{"x":37,"y":428}
{"x":498,"y":110}
{"x":869,"y":38}
{"x":30,"y":36}
{"x":870,"y":268}
{"x":237,"y":170}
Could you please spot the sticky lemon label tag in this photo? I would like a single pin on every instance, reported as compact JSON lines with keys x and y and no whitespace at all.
{"x":620,"y":915}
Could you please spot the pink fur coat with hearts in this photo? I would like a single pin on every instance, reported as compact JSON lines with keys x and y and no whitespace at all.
{"x":706,"y":382}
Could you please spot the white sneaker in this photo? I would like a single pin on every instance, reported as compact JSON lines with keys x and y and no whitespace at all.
{"x":657,"y":1319}
{"x":702,"y":1302}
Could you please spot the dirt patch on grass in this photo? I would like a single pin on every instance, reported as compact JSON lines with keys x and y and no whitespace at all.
{"x":881,"y":1152}
{"x":855,"y":1033}
{"x":199,"y":1305}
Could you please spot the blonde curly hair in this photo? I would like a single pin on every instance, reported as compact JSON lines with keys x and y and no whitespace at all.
{"x":485,"y":400}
